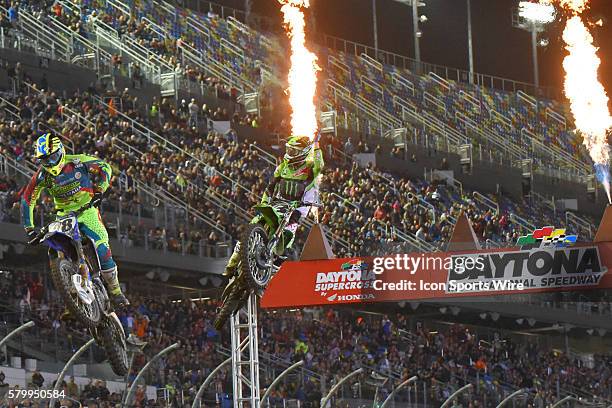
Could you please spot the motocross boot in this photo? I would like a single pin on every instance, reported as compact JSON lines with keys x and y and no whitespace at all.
{"x":117,"y":298}
{"x":66,"y":316}
{"x":230,"y":268}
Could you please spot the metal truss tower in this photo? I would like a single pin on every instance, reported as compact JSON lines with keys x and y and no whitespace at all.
{"x":245,"y":355}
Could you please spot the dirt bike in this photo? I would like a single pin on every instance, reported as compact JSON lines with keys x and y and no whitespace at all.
{"x":75,"y":272}
{"x":261,"y":250}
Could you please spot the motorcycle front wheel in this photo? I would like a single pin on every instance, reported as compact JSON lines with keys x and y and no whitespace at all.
{"x":111,"y":335}
{"x":256,"y":262}
{"x":62,"y":270}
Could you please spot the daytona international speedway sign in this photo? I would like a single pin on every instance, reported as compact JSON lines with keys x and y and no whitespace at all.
{"x":420,"y":276}
{"x":540,"y":268}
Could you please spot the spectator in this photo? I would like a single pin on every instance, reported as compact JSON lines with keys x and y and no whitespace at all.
{"x":37,"y":379}
{"x":193,"y":113}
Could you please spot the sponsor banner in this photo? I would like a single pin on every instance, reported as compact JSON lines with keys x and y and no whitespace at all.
{"x":444,"y":275}
{"x":547,"y":267}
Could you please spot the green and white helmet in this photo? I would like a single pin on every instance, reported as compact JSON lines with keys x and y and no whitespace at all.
{"x":297,"y":149}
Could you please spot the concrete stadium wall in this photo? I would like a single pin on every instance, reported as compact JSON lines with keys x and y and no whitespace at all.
{"x":21,"y":377}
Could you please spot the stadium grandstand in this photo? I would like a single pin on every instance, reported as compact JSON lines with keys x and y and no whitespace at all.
{"x":186,"y":103}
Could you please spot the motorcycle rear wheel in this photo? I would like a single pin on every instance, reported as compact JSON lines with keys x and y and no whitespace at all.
{"x":253,"y":256}
{"x":61,"y":274}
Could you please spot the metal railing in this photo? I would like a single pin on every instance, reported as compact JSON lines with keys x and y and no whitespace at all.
{"x":580,"y":224}
{"x":63,"y":38}
{"x":447,"y":73}
{"x":523,"y":223}
{"x":418,"y":244}
{"x":11,"y":167}
{"x":486,"y":201}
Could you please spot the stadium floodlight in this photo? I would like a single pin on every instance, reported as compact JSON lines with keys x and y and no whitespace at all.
{"x":537,"y":13}
{"x":533,"y":17}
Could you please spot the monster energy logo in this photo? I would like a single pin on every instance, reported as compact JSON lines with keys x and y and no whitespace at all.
{"x":68,"y":189}
{"x":291,"y":188}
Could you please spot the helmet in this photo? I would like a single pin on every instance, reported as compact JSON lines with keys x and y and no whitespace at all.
{"x":297,"y":149}
{"x":50,"y":153}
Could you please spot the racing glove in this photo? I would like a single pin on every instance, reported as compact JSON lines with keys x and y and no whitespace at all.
{"x":32,"y":233}
{"x":96,"y":200}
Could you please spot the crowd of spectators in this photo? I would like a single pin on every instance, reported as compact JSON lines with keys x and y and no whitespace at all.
{"x":331,"y":342}
{"x":221,"y":177}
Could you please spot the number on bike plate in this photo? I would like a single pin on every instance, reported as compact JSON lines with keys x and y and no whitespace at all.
{"x":66,"y":226}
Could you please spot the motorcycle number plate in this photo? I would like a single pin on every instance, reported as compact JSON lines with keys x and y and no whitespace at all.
{"x":65,"y":225}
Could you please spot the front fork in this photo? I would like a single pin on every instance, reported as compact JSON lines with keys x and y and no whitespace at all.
{"x":83,"y":267}
{"x":277,"y":236}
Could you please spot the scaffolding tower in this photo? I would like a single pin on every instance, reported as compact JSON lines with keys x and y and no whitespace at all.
{"x":245,"y":355}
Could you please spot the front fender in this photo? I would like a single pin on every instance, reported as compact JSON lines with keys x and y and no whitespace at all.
{"x":60,"y":242}
{"x":270,"y":215}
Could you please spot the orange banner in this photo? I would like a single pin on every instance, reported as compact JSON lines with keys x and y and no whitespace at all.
{"x":420,"y":276}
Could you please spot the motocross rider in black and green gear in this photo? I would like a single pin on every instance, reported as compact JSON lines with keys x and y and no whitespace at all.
{"x":294,"y":180}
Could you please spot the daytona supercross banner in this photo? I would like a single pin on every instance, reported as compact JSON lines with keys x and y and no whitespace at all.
{"x":420,"y":276}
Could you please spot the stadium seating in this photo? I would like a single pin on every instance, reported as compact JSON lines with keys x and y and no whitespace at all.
{"x":517,"y":123}
{"x":208,"y":174}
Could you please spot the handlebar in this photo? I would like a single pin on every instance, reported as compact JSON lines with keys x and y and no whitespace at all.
{"x":94,"y":203}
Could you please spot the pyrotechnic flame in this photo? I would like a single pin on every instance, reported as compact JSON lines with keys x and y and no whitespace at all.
{"x":303,"y":72}
{"x":577,"y":6}
{"x":588,"y":99}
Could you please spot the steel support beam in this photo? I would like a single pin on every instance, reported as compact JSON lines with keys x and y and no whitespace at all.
{"x":156,"y":357}
{"x":337,"y":386}
{"x":60,"y":376}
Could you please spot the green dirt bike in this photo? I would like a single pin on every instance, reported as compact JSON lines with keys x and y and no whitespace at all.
{"x":261,"y":250}
{"x":75,"y":272}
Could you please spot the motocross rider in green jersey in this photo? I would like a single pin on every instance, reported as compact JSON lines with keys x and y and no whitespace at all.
{"x":294,"y":180}
{"x":73,"y":181}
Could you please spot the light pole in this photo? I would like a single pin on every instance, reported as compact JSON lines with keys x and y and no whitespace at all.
{"x":533,"y":17}
{"x":277,"y":380}
{"x":15,"y":332}
{"x":511,"y":396}
{"x":470,"y":49}
{"x":375,"y":28}
{"x":455,"y":394}
{"x":397,"y":389}
{"x":415,"y":4}
{"x":338,"y":385}
{"x":417,"y":33}
{"x":208,"y":380}
{"x":133,"y":347}
{"x":60,"y":376}
{"x":564,"y":400}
